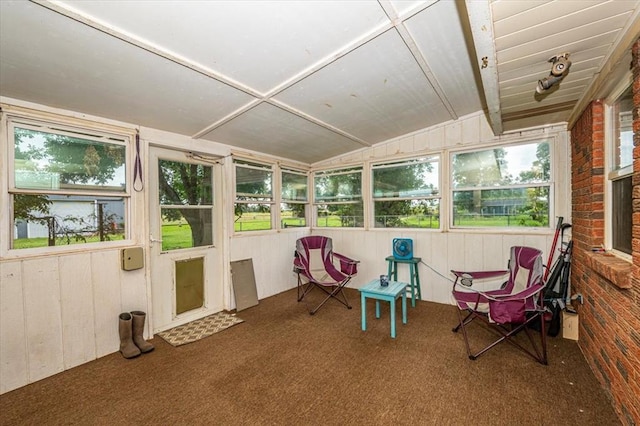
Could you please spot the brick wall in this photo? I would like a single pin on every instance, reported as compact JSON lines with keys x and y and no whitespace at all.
{"x":610,"y":316}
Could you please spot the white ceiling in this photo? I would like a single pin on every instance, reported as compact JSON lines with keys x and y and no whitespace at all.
{"x":308,"y":80}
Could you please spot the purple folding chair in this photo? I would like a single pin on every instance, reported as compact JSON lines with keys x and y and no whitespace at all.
{"x":509,"y":309}
{"x":314,"y":264}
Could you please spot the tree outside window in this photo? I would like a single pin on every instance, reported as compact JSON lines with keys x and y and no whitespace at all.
{"x":68,"y":185}
{"x":406,"y":193}
{"x":186,"y":200}
{"x":506,"y":186}
{"x":294,"y":198}
{"x":254,"y":196}
{"x":338,"y":198}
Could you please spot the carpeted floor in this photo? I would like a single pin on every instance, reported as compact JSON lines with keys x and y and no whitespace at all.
{"x":283,"y":366}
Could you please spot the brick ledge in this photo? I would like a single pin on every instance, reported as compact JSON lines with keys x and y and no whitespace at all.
{"x":614,"y":269}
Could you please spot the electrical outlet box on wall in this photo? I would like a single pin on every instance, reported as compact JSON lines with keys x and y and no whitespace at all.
{"x":132,"y":258}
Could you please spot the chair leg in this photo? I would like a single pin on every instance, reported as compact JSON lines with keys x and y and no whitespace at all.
{"x":539,"y":354}
{"x":462,"y":325}
{"x":333,"y":294}
{"x":303,"y":289}
{"x":462,"y":322}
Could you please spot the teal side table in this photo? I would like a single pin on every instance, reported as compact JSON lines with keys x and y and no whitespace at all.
{"x":414,"y":276}
{"x":390,"y":293}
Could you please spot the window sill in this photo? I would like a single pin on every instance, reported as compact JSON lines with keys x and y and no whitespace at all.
{"x":612,"y":268}
{"x":65,"y":250}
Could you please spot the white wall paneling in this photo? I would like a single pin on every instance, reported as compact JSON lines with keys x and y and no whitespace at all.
{"x":272,"y":255}
{"x":78,"y":327}
{"x":105,"y":274}
{"x":41,"y":284}
{"x":14,"y":369}
{"x":440,"y":251}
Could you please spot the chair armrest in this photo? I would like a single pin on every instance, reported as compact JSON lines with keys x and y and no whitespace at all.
{"x":342,"y":257}
{"x":297,"y":265}
{"x":479,"y":275}
{"x":347,"y":265}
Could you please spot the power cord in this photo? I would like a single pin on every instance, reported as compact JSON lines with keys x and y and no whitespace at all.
{"x":438,"y":273}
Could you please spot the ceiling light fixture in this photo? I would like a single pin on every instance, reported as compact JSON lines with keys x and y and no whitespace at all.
{"x":559,"y":70}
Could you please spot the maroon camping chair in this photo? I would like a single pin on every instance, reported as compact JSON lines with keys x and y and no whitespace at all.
{"x":509,"y":309}
{"x":317,"y":265}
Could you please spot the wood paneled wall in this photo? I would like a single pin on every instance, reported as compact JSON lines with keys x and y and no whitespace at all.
{"x":59,"y":311}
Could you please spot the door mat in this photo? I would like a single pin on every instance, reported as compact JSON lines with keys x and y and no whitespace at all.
{"x":199,"y":329}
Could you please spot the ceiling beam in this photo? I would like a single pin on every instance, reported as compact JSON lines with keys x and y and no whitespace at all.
{"x":321,"y":64}
{"x":409,"y":41}
{"x":535,"y":112}
{"x":276,"y":103}
{"x":481,"y":22}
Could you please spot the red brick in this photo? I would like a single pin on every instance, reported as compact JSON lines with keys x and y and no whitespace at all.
{"x":609,"y":312}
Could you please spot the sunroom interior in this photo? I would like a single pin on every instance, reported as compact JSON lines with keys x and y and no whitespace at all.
{"x":223,"y":131}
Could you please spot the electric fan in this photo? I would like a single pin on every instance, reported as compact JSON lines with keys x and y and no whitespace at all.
{"x":402,"y":248}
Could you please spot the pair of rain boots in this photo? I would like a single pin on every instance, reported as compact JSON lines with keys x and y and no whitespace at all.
{"x":131,"y":328}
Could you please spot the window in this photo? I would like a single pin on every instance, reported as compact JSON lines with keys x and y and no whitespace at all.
{"x":254,"y":196}
{"x":620,"y":117}
{"x":294,"y":198}
{"x":66,"y":186}
{"x":338,"y":198}
{"x":406,"y":193}
{"x":507,"y":186}
{"x":186,"y":204}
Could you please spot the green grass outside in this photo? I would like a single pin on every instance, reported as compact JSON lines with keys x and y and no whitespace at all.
{"x":429,"y":222}
{"x":25,"y":243}
{"x":177,"y":236}
{"x":497,"y":221}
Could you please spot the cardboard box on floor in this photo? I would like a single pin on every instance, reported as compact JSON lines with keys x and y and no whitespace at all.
{"x":569,"y":325}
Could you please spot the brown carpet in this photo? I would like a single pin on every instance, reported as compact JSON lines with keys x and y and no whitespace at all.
{"x":283,"y":366}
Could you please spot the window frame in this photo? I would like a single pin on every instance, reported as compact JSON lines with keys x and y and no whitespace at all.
{"x":398,"y":162}
{"x":344,"y":170}
{"x":612,"y":172}
{"x":283,"y":200}
{"x":209,"y":206}
{"x":550,"y":183}
{"x":76,"y":128}
{"x":260,"y":166}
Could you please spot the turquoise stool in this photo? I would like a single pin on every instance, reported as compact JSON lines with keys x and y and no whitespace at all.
{"x":392,"y":272}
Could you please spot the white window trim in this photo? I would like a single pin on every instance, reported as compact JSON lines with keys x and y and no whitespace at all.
{"x":284,"y":169}
{"x":342,"y":169}
{"x":609,"y":173}
{"x":275,"y":196}
{"x":394,"y":162}
{"x":11,"y":115}
{"x":522,"y":140}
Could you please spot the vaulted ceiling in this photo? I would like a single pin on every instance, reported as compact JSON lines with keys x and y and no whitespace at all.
{"x":309,"y":80}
